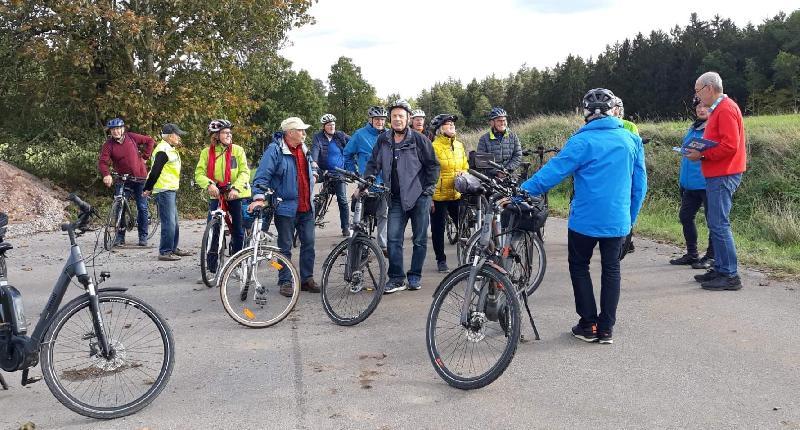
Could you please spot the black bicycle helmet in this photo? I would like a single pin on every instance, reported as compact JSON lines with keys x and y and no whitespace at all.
{"x":440,"y":119}
{"x":497,"y":112}
{"x":598,"y":101}
{"x":377,"y":111}
{"x":399,"y":103}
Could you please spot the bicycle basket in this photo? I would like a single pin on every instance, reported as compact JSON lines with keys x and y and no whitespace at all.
{"x":370,"y":207}
{"x":530,"y":218}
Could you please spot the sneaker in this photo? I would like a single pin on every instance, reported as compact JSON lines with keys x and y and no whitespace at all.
{"x":286,"y":289}
{"x":605,"y":337}
{"x":169,"y":257}
{"x":722,"y":283}
{"x":414,"y":283}
{"x":309,"y":286}
{"x":119,"y":241}
{"x":703,"y":263}
{"x":142,"y":242}
{"x":441,"y":266}
{"x":705,"y":277}
{"x":345,"y":232}
{"x":686,"y":259}
{"x":586,"y":334}
{"x":394,"y":286}
{"x":182,"y":253}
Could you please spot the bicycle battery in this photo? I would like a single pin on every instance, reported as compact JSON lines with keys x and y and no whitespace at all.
{"x":11,"y":310}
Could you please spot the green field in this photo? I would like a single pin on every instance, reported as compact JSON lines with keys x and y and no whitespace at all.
{"x":766,"y":212}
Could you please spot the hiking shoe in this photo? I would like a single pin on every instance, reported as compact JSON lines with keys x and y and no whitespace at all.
{"x":394,"y":286}
{"x":181,"y":253}
{"x":722,"y":283}
{"x":414,"y":283}
{"x":586,"y":334}
{"x":705,"y":277}
{"x":441,"y":266}
{"x":285,"y":289}
{"x":142,"y":242}
{"x":169,"y":257}
{"x":605,"y":337}
{"x":310,"y":286}
{"x":686,"y":259}
{"x":345,"y":232}
{"x":703,"y":263}
{"x":119,"y":241}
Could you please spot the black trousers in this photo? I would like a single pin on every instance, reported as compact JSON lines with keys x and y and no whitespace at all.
{"x":691,"y":200}
{"x":438,"y":223}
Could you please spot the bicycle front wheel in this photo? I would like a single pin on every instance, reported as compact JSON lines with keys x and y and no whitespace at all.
{"x":451,"y":229}
{"x":250,"y":283}
{"x":212,"y":251}
{"x":475,"y":355}
{"x":350,"y":296}
{"x":137,"y":370}
{"x":153,"y":220}
{"x":113,"y":225}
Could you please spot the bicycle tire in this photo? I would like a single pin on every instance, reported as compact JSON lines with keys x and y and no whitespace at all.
{"x":333,"y":297}
{"x":446,"y":366}
{"x":153,"y":219}
{"x":205,"y":273}
{"x":277,"y":261}
{"x":114,"y":219}
{"x":536,"y":280}
{"x":451,"y":229}
{"x":55,"y":376}
{"x":3,"y":268}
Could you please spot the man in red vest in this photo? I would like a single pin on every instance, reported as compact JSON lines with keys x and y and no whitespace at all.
{"x":722,"y":163}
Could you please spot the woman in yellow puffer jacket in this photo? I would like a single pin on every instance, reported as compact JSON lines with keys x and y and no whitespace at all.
{"x":453,"y":161}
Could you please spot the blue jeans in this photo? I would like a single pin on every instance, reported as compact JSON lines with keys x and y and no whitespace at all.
{"x":420,"y":216}
{"x":719,"y":192}
{"x":303,"y":222}
{"x":168,"y":213}
{"x":580,"y":248}
{"x":340,"y":188}
{"x":142,"y":216}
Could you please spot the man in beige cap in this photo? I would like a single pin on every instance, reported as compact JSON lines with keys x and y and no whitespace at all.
{"x":288,"y":169}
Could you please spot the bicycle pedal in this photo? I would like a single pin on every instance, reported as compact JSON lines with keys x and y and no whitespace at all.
{"x":28,"y":381}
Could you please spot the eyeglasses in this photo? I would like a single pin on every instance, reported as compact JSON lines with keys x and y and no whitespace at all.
{"x":701,"y":89}
{"x":230,"y":133}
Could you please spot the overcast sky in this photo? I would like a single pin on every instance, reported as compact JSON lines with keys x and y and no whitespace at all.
{"x":408,"y":45}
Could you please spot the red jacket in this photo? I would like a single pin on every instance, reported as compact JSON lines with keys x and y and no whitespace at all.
{"x":726,"y":127}
{"x":127,"y":157}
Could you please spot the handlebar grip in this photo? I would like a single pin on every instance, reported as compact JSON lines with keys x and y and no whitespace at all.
{"x":82,"y":205}
{"x":340,"y":170}
{"x":495,"y":165}
{"x":479,"y":175}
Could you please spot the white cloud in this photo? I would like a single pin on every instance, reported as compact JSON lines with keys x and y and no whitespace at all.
{"x":409,"y":45}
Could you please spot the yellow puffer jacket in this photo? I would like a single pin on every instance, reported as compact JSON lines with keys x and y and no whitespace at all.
{"x":452,"y":160}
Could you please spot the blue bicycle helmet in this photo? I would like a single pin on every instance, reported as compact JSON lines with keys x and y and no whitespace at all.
{"x":497,"y":112}
{"x":114,"y":123}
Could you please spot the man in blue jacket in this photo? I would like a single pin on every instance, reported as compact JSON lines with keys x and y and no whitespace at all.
{"x":356,"y":154}
{"x":607,"y":163}
{"x":288,"y":169}
{"x":327,"y":150}
{"x":410,"y":170}
{"x":693,"y":195}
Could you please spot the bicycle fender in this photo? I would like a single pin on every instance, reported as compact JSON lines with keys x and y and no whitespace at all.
{"x":112,"y":289}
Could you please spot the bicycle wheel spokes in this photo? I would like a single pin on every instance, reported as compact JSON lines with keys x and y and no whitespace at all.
{"x":350,"y":296}
{"x":473,"y":356}
{"x":250,"y":288}
{"x":137,"y":369}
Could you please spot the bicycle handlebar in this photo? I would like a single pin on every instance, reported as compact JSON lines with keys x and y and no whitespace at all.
{"x":355,"y":178}
{"x":127,"y":177}
{"x":86,"y":211}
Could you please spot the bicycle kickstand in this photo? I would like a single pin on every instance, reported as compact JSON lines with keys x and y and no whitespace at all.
{"x":3,"y":382}
{"x":528,"y":308}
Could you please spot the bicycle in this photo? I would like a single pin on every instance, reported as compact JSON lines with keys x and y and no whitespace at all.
{"x":359,"y":263}
{"x":243,"y":279}
{"x":120,"y":217}
{"x":103,"y":355}
{"x":482,"y":314}
{"x":214,"y":245}
{"x":322,"y":202}
{"x":540,"y":151}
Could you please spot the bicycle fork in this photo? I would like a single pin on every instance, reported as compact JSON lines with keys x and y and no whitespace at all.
{"x":97,"y":319}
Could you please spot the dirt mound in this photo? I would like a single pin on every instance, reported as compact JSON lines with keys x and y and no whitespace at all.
{"x":32,"y":204}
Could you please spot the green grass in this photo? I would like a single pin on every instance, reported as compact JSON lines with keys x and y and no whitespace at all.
{"x":766,"y":212}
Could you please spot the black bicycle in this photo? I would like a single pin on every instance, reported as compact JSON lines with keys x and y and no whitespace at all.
{"x":121,"y":217}
{"x":473,"y":325}
{"x":540,"y":152}
{"x":104,"y":354}
{"x":322,"y":202}
{"x":354,"y":273}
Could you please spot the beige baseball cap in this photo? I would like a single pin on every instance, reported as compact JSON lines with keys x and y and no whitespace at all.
{"x":293,"y":123}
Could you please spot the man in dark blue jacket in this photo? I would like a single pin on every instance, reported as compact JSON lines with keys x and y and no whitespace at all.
{"x":410,"y":170}
{"x":607,"y":163}
{"x":327,"y":149}
{"x":288,"y":169}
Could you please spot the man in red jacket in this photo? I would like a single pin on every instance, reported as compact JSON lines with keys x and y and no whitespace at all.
{"x":127,"y":152}
{"x":722,"y":166}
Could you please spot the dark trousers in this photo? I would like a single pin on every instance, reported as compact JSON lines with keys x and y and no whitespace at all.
{"x":303,"y":223}
{"x":580,"y":249}
{"x":168,"y":213}
{"x":340,"y":189}
{"x":237,"y":230}
{"x":419,"y":215}
{"x":691,"y":200}
{"x":441,"y":209}
{"x":142,"y":213}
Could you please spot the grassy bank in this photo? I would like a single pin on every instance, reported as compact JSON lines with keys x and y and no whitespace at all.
{"x":766,"y":212}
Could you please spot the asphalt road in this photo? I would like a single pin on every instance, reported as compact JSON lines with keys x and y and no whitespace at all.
{"x":682,"y":358}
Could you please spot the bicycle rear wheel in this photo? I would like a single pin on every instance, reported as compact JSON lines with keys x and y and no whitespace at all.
{"x":474,"y":356}
{"x":351,"y":301}
{"x":212,"y":251}
{"x":143,"y":355}
{"x":113,"y":225}
{"x":250,"y":287}
{"x":153,"y":220}
{"x":452,"y":230}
